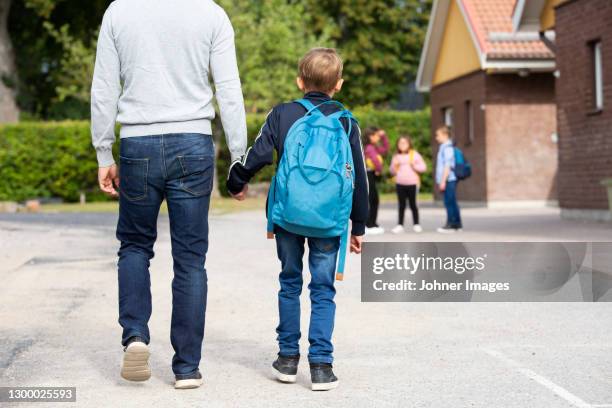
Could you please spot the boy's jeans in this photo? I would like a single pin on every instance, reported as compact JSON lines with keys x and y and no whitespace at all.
{"x":452,"y":208}
{"x":322,"y":265}
{"x":178,"y":168}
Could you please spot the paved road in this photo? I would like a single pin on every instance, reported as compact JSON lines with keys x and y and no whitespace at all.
{"x":58,"y":312}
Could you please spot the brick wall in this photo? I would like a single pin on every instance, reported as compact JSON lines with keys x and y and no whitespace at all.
{"x":513,"y":154}
{"x":585,"y":136}
{"x":521,"y":152}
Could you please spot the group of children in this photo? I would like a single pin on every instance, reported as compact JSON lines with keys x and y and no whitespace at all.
{"x":406,"y":168}
{"x":407,"y":165}
{"x":320,"y":77}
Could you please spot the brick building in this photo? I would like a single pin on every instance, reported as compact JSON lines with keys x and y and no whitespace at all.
{"x":496,"y":89}
{"x":518,"y":44}
{"x":584,"y":100}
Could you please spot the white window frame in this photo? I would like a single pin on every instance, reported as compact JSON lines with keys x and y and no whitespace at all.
{"x":598,"y":76}
{"x":469,"y":126}
{"x":448,"y":114}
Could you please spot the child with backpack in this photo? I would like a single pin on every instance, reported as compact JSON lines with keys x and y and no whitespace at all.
{"x":406,"y":166}
{"x":320,"y":183}
{"x":376,"y":145}
{"x":449,"y":171}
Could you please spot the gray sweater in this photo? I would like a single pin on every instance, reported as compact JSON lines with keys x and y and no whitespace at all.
{"x":152,"y":71}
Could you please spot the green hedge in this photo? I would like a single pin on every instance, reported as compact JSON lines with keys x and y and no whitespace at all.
{"x":52,"y":159}
{"x":55,"y":159}
{"x":395,"y":123}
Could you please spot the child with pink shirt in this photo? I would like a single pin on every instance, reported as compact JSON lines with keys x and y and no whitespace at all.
{"x":406,"y":166}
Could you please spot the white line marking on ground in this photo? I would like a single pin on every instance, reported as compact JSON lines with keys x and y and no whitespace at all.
{"x":545,"y":382}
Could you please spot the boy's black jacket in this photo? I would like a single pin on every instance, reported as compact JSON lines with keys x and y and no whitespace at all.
{"x":272,"y":136}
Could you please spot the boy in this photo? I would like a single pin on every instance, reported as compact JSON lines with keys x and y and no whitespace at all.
{"x":320,"y":77}
{"x":447,"y":180}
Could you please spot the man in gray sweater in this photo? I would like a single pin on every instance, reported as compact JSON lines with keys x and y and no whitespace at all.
{"x":153,"y":65}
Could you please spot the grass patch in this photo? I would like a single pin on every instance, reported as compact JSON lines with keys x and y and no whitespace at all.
{"x":218,"y":206}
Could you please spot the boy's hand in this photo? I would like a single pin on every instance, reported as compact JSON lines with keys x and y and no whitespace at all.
{"x":241,"y":196}
{"x":356,"y":244}
{"x":108,"y":180}
{"x":442,"y":186}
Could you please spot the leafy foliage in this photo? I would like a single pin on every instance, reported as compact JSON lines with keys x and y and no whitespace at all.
{"x":271,"y":36}
{"x":62,"y":164}
{"x":54,"y":42}
{"x":380,"y":40}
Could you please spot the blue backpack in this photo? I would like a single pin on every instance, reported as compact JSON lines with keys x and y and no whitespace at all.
{"x":463,"y":168}
{"x":312,"y":191}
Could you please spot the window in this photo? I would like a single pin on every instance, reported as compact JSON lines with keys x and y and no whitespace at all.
{"x":469,"y":123}
{"x":598,"y":90}
{"x":447,"y":113}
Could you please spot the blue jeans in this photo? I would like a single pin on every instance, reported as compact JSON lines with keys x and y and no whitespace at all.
{"x":452,"y":208}
{"x":322,"y":264}
{"x":179,"y":169}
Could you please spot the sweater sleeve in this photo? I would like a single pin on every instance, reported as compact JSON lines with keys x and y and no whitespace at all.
{"x":419,"y":164}
{"x":359,"y":213}
{"x":105,"y":93}
{"x":258,"y":156}
{"x":383,"y":147}
{"x":392,"y":166}
{"x":224,"y":70}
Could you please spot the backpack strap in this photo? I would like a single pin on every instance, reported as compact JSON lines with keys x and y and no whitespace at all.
{"x":309,"y":106}
{"x":271,"y":194}
{"x":345,"y":114}
{"x":342,"y":254}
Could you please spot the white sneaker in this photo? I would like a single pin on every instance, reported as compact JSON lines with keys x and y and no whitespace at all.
{"x":398,"y":229}
{"x":136,"y":362}
{"x":375,"y":231}
{"x":417,"y":228}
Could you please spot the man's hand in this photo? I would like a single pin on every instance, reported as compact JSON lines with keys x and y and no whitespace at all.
{"x":108,"y":179}
{"x":241,"y":196}
{"x":356,"y":244}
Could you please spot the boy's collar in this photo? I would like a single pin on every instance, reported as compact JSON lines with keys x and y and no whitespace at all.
{"x":317,"y":95}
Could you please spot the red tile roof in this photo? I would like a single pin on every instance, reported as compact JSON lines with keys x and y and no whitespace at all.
{"x":495,"y":16}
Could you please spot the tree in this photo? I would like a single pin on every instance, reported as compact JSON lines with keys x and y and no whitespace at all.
{"x":380,"y":41}
{"x":8,"y":73}
{"x":271,"y":36}
{"x":55,"y":45}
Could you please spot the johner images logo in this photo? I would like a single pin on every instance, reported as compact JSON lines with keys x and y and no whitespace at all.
{"x":487,"y":272}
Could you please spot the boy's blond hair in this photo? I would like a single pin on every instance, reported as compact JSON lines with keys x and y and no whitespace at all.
{"x":321,"y":69}
{"x":444,"y":129}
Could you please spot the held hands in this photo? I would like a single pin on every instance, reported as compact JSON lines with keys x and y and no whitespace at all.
{"x":241,"y":196}
{"x":108,"y":180}
{"x":356,"y":242}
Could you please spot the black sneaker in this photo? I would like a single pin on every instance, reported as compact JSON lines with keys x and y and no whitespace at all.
{"x":186,"y":382}
{"x":136,"y":360}
{"x":323,"y":378}
{"x":285,"y":368}
{"x":448,"y":229}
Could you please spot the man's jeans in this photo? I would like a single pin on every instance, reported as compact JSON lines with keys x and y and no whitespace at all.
{"x":452,"y":208}
{"x":322,"y":264}
{"x":178,"y":168}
